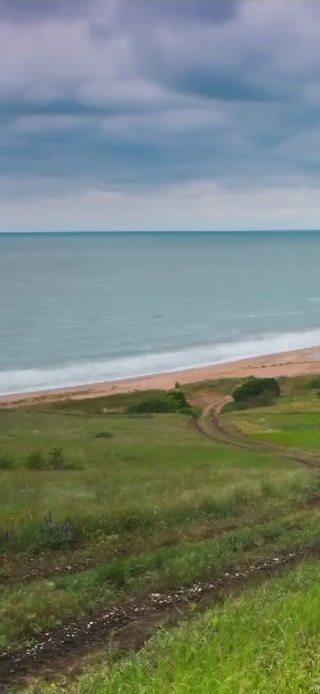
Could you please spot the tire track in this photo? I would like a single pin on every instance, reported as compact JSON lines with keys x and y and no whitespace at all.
{"x":215,"y":426}
{"x":129,"y":626}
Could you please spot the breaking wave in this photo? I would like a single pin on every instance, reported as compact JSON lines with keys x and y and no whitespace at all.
{"x":85,"y":373}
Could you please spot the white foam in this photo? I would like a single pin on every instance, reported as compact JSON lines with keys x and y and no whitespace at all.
{"x":85,"y":373}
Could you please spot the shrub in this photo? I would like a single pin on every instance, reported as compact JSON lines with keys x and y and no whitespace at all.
{"x":154,"y":405}
{"x":315,"y":383}
{"x":103,"y":435}
{"x":7,"y":462}
{"x":56,"y":459}
{"x":53,"y":534}
{"x":257,"y":392}
{"x":172,"y":401}
{"x":178,"y":399}
{"x":36,"y":461}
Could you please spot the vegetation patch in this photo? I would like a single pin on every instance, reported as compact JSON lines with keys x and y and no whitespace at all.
{"x":256,"y":392}
{"x":265,"y":640}
{"x":315,"y":383}
{"x":157,"y":508}
{"x":166,"y":402}
{"x":7,"y":462}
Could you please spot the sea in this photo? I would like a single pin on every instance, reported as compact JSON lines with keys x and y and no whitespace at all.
{"x":81,"y":308}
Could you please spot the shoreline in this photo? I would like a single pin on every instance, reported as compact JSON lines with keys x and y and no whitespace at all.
{"x":291,"y":363}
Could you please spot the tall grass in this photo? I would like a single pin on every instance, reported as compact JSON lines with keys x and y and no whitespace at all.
{"x":266,"y":641}
{"x":26,"y":610}
{"x":48,"y":532}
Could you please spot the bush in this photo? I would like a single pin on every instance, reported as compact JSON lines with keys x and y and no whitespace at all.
{"x":7,"y":462}
{"x":177,"y":399}
{"x":172,"y":401}
{"x":55,"y":534}
{"x":315,"y":383}
{"x":257,"y":392}
{"x":56,"y":459}
{"x":150,"y":406}
{"x":36,"y":461}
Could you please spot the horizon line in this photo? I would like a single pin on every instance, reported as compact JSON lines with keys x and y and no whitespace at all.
{"x":163,"y":231}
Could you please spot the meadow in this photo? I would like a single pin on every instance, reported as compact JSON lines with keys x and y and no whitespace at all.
{"x":100,"y":505}
{"x":264,"y":641}
{"x":294,"y":422}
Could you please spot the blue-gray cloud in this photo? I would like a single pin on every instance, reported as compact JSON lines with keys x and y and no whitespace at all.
{"x":32,"y":11}
{"x":177,"y":11}
{"x":135,"y":94}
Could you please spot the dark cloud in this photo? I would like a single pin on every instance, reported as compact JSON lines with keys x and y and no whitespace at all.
{"x":210,"y":84}
{"x":138,"y":93}
{"x":36,"y":10}
{"x":178,"y":11}
{"x":133,"y":11}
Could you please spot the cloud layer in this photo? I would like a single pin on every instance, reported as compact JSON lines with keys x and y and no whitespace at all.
{"x":159,"y":114}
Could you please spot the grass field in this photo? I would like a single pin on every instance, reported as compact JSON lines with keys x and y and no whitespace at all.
{"x":294,"y":422}
{"x":266,"y":640}
{"x":140,"y":504}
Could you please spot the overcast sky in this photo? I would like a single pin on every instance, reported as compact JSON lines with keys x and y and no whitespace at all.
{"x":159,"y":114}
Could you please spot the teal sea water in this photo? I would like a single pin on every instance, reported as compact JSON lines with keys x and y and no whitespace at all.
{"x":83,"y":308}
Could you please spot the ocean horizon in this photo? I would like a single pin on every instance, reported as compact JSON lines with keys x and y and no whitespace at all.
{"x":84,"y":307}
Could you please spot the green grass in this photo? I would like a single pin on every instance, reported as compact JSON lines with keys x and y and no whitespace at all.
{"x":266,"y":640}
{"x":154,"y":468}
{"x":293,"y":423}
{"x":153,"y":505}
{"x":27,"y":610}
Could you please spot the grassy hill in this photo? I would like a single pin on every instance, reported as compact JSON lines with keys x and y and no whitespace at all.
{"x":144,"y":505}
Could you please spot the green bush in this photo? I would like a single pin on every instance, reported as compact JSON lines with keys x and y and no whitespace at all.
{"x":53,"y":534}
{"x":36,"y":461}
{"x":257,"y":392}
{"x":178,"y":399}
{"x":315,"y":383}
{"x":153,"y":405}
{"x":7,"y":462}
{"x":56,"y":459}
{"x":172,"y":401}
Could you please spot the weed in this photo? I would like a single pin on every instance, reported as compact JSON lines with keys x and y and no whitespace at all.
{"x":7,"y":462}
{"x":36,"y":461}
{"x":56,"y":459}
{"x":54,"y":534}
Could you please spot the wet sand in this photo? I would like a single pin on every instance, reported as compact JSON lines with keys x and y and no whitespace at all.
{"x":304,"y":361}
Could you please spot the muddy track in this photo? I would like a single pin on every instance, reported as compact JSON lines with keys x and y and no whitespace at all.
{"x":215,"y":426}
{"x":129,"y":626}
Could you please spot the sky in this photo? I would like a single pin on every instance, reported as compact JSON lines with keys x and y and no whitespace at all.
{"x":159,"y":114}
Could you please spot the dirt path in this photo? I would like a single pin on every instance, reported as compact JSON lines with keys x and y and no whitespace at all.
{"x":219,"y":428}
{"x":129,"y":626}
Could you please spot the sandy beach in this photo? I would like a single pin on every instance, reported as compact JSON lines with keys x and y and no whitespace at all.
{"x":293,"y":363}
